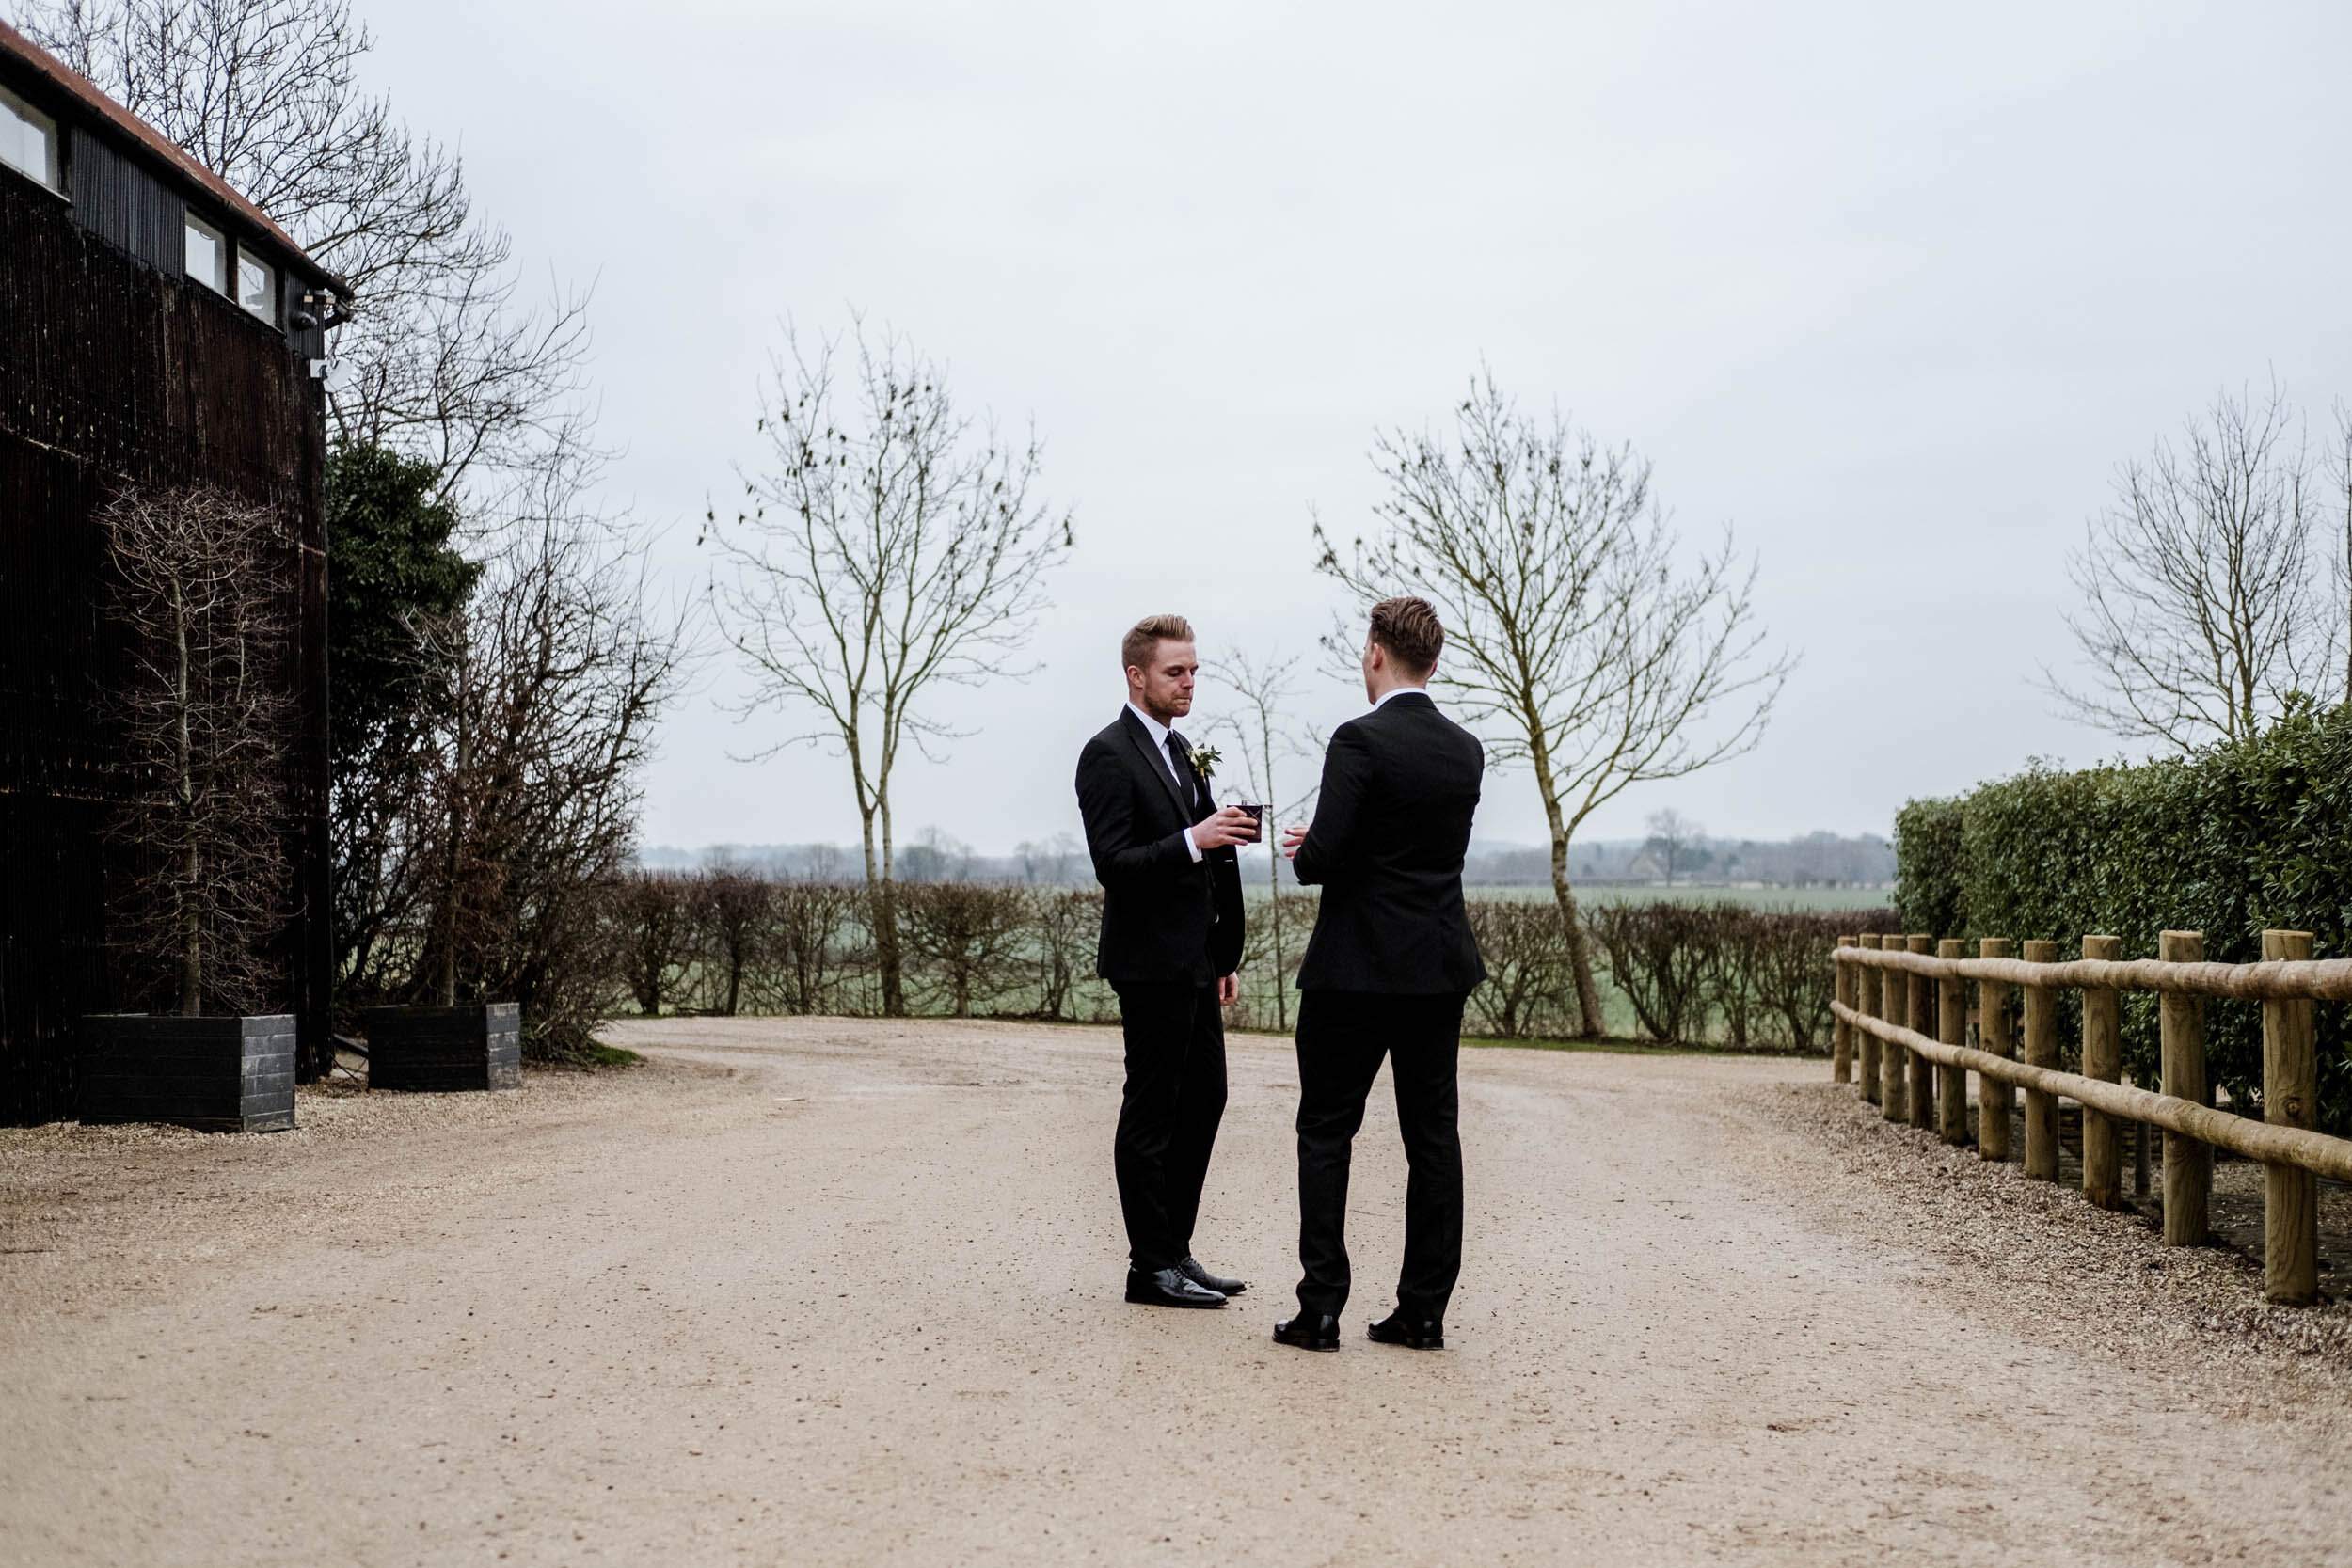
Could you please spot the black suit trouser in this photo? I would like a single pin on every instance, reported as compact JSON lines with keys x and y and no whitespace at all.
{"x":1167,"y":1115}
{"x":1342,"y":1036}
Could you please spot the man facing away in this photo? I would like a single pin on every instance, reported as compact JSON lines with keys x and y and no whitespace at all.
{"x":1386,"y":973}
{"x":1171,"y":949}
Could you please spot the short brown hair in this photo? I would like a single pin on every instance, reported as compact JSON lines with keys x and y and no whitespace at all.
{"x":1138,"y":647}
{"x":1408,"y":629}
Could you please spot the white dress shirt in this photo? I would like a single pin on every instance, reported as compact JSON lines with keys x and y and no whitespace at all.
{"x":1158,"y":732}
{"x":1392,"y":691}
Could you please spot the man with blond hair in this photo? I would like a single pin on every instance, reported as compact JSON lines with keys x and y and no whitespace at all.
{"x":1385,"y":975}
{"x":1171,"y":949}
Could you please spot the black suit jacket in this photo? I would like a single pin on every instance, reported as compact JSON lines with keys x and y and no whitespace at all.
{"x":1166,"y":916}
{"x":1390,"y":827}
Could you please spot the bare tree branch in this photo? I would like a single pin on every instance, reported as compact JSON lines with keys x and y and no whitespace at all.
{"x":204,"y":583}
{"x":561,"y":665}
{"x":440,"y":359}
{"x":1266,"y":734}
{"x":1576,"y":641}
{"x":2204,"y":614}
{"x":890,"y":547}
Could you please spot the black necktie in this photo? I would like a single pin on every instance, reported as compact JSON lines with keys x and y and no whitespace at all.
{"x":1179,"y":763}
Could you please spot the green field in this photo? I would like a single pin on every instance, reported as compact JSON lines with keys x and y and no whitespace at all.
{"x":1805,"y":899}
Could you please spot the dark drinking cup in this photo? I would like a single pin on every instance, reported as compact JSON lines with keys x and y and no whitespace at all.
{"x":1257,"y":821}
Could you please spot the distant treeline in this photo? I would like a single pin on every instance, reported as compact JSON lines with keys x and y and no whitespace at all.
{"x":1817,"y":859}
{"x":729,"y":940}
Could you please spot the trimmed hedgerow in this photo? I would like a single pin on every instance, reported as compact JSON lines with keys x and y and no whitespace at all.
{"x":2228,"y":840}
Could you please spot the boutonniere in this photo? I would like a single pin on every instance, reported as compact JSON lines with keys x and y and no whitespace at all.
{"x":1204,"y":760}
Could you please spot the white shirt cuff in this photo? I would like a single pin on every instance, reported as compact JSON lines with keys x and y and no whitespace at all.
{"x":1190,"y":847}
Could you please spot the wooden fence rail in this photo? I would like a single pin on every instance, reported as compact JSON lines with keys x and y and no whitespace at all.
{"x":1888,"y":987}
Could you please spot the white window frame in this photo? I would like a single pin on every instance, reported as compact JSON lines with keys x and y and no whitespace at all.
{"x":269,"y":272}
{"x":53,"y":176}
{"x":221,"y":281}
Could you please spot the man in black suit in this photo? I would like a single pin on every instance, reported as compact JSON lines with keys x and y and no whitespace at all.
{"x":1386,"y":973}
{"x":1171,"y":949}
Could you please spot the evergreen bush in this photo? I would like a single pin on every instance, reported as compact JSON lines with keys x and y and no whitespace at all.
{"x":2230,"y":841}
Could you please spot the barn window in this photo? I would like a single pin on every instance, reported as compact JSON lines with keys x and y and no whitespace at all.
{"x":207,"y":256}
{"x":257,"y":286}
{"x":28,"y":141}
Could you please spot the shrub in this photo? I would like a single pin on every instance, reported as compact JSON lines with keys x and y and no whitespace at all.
{"x":2228,"y":840}
{"x":1762,"y":977}
{"x":737,"y":940}
{"x":732,"y":912}
{"x":1525,"y":991}
{"x":963,"y":936}
{"x":1663,"y":955}
{"x":648,"y":912}
{"x":1066,"y":922}
{"x":809,"y":958}
{"x":1927,"y":866}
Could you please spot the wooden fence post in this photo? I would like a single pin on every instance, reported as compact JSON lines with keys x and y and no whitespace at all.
{"x":2187,"y":1162}
{"x":2102,"y":1059}
{"x":1951,"y":1028}
{"x":2042,"y":1050}
{"x":1894,"y":1007}
{"x":1867,"y":990}
{"x":1993,"y":1035}
{"x":2290,"y":1099}
{"x":1922,"y":1071}
{"x":1842,"y":1037}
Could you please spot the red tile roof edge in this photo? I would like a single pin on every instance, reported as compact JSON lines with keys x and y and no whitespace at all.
{"x":80,"y":88}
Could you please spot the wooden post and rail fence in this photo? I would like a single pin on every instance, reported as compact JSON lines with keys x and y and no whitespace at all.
{"x":1891,"y":989}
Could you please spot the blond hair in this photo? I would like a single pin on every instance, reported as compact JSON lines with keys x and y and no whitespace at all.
{"x":1143,"y":644}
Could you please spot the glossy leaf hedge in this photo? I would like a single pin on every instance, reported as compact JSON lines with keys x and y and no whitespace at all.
{"x":2227,"y":841}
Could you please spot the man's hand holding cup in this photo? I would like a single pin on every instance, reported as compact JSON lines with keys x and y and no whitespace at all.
{"x":1224,"y":826}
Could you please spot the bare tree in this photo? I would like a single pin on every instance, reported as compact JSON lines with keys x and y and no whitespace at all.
{"x":562,"y":664}
{"x":442,"y":361}
{"x":204,"y":584}
{"x":2203,"y":611}
{"x":2339,"y":471}
{"x":1267,"y":735}
{"x":890,"y":547}
{"x":1057,"y":863}
{"x":1576,"y":641}
{"x":1672,"y":835}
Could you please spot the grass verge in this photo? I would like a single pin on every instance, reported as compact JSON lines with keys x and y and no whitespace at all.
{"x":592,"y":1057}
{"x":1612,"y":1045}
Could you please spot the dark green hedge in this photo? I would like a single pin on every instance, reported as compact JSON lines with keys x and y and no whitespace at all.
{"x":2228,"y":840}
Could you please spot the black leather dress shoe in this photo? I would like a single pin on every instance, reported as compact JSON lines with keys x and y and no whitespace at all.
{"x":1207,"y":1281}
{"x":1168,"y":1288}
{"x":1412,"y":1333}
{"x":1320,"y":1332}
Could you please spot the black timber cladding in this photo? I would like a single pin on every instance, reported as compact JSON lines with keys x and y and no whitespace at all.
{"x":115,"y":370}
{"x":118,"y":199}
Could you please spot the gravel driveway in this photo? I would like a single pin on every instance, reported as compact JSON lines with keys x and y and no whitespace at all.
{"x":830,"y":1291}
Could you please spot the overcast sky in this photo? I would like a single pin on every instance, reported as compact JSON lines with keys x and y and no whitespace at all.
{"x":1888,"y":290}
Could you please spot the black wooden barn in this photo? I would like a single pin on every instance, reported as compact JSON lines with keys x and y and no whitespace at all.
{"x":156,"y":329}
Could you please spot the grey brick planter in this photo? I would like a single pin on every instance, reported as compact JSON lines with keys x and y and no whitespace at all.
{"x":477,"y":1047}
{"x":217,"y":1074}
